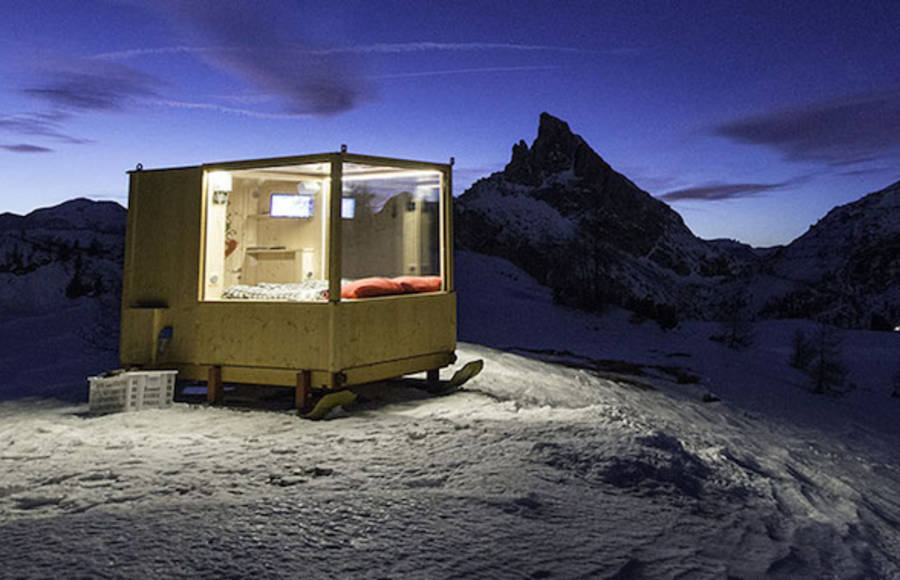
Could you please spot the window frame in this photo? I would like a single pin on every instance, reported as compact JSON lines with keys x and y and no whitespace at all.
{"x":333,"y":229}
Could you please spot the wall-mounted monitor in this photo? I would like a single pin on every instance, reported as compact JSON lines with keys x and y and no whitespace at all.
{"x":348,"y":207}
{"x":291,"y":205}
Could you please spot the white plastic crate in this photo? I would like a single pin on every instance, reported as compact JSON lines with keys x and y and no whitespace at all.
{"x":132,"y":391}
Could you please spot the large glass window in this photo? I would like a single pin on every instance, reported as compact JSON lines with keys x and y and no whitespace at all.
{"x":266,"y":233}
{"x":391,"y":223}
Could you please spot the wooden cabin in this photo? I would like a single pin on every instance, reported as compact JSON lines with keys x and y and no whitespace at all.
{"x":314,"y":271}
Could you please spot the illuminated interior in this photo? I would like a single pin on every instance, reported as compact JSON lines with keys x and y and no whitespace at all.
{"x":267,"y":232}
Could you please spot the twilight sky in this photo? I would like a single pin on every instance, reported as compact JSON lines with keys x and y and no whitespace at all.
{"x":751,"y":119}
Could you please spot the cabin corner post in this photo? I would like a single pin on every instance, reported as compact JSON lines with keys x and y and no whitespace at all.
{"x":448,"y":241}
{"x":128,"y":260}
{"x":336,"y":192}
{"x":201,"y":263}
{"x":334,"y":228}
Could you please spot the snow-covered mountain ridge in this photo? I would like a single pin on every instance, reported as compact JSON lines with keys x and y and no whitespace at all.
{"x":562,"y":214}
{"x":60,"y":283}
{"x":54,"y":255}
{"x":846,"y":266}
{"x":74,"y":215}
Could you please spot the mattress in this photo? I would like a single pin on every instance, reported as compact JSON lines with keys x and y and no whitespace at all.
{"x":306,"y":291}
{"x":317,"y":290}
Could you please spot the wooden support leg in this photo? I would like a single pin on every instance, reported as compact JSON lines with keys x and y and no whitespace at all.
{"x":214,"y":390}
{"x":304,"y":388}
{"x":433,"y":377}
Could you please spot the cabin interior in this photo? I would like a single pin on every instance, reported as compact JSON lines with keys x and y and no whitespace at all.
{"x":267,"y":229}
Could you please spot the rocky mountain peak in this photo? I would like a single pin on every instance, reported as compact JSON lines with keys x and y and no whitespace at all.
{"x":555,"y":150}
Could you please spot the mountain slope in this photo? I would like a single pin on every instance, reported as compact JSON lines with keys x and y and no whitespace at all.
{"x":846,"y":267}
{"x":561,"y":213}
{"x":60,"y":282}
{"x":56,"y":254}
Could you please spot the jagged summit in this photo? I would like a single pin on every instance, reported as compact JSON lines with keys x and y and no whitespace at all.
{"x":555,"y":150}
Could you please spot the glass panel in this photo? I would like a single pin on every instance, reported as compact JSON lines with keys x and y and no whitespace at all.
{"x":391,"y":226}
{"x":266,"y":235}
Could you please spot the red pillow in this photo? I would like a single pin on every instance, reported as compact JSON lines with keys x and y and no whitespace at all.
{"x":419,"y":283}
{"x":366,"y":287}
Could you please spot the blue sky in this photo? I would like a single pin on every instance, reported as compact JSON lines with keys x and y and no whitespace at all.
{"x":752,"y":119}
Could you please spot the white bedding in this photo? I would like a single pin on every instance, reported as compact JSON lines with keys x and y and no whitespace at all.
{"x":306,"y":291}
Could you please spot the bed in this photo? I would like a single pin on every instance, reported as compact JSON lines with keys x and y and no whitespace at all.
{"x":317,"y":290}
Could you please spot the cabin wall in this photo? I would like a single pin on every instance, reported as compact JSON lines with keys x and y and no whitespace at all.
{"x":163,"y":240}
{"x":162,"y":250}
{"x":284,"y":335}
{"x":395,"y":327}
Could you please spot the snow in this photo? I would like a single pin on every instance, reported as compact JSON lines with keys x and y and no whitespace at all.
{"x":51,"y":354}
{"x":510,"y":479}
{"x":827,"y":245}
{"x":606,"y":464}
{"x":501,"y":306}
{"x":519,"y":215}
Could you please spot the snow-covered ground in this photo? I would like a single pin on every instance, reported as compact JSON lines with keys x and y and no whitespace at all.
{"x":539,"y":471}
{"x":613,"y":470}
{"x":49,"y":354}
{"x":501,"y":306}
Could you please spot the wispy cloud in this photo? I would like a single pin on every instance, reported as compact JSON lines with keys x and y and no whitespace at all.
{"x":85,"y":86}
{"x":39,"y":124}
{"x":25,"y":148}
{"x":71,"y":87}
{"x":258,"y":44}
{"x":224,"y":109}
{"x":883,"y":169}
{"x":158,"y":51}
{"x":313,"y":80}
{"x":460,"y":71}
{"x":407,"y":47}
{"x":378,"y":48}
{"x":854,"y":129}
{"x":722,"y":191}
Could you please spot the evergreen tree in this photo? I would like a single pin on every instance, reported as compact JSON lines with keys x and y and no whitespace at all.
{"x":819,"y":356}
{"x":803,"y":351}
{"x":735,"y":326}
{"x":77,"y":287}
